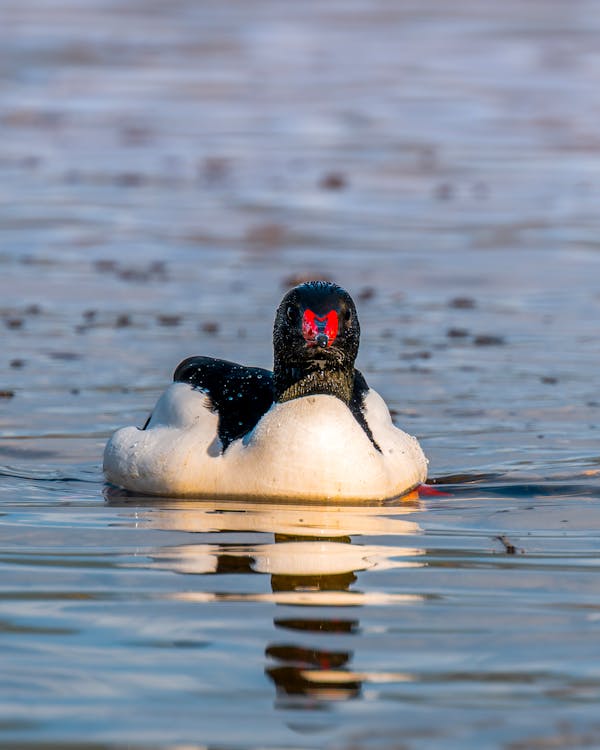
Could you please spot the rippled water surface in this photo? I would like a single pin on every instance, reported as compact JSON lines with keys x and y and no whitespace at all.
{"x":167,"y":171}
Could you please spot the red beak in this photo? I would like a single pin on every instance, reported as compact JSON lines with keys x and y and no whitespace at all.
{"x":320,"y":330}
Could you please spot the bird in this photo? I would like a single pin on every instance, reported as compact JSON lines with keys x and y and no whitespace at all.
{"x":310,"y":429}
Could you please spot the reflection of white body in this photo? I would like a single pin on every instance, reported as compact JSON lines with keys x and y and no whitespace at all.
{"x":285,"y":519}
{"x":295,"y":558}
{"x":325,"y":552}
{"x":307,"y":448}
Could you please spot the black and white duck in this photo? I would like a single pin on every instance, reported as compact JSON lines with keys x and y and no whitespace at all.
{"x":311,"y":429}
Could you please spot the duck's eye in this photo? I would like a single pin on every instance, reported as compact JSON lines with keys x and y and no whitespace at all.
{"x":348,"y":316}
{"x":292,"y":313}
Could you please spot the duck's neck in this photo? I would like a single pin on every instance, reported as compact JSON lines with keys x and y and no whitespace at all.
{"x":294,"y":382}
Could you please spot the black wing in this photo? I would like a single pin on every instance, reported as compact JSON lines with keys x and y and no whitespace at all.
{"x":357,"y":404}
{"x":239,"y":395}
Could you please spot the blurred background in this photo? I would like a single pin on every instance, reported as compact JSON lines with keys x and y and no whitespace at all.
{"x":167,"y":171}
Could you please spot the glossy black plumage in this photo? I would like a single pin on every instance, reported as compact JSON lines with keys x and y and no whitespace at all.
{"x":239,"y":395}
{"x":301,"y":369}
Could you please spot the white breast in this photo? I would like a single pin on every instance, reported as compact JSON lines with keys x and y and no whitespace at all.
{"x":308,"y":448}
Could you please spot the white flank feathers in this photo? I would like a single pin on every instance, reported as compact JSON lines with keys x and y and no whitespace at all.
{"x":309,"y":448}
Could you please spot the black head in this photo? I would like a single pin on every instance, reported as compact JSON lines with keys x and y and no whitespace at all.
{"x":316,"y":332}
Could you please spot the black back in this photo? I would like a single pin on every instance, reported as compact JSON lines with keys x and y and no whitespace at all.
{"x":239,"y":395}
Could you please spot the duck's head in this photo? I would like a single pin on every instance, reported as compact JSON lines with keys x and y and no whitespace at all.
{"x":315,"y":341}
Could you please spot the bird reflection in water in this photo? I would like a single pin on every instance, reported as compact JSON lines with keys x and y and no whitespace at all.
{"x":305,"y":671}
{"x":312,"y":561}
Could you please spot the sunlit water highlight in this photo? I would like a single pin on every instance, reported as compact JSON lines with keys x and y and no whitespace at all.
{"x":168,"y":170}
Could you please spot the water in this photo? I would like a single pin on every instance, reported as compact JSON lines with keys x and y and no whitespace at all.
{"x":168,"y":170}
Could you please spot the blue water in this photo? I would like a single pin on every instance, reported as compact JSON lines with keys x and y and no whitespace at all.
{"x":168,"y":171}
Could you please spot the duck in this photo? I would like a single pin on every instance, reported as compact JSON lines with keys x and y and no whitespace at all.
{"x":310,"y":429}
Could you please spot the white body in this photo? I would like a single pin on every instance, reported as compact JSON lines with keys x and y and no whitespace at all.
{"x":308,"y":448}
